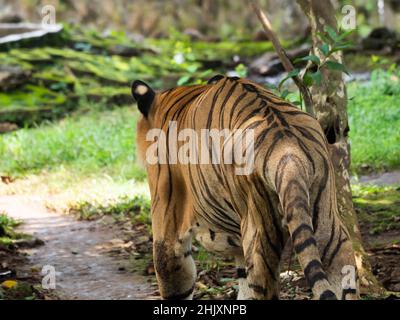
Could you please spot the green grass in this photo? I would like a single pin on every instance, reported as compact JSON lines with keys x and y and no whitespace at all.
{"x":136,"y":208}
{"x":377,"y":206}
{"x":95,"y":149}
{"x":374,"y":117}
{"x":99,"y":141}
{"x":7,"y":233}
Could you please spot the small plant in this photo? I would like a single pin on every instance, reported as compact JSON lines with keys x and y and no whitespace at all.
{"x":7,"y":226}
{"x":241,"y":70}
{"x":331,"y":42}
{"x":136,"y":208}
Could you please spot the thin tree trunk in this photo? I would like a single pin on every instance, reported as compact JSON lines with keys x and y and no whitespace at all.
{"x":330,"y":104}
{"x":287,"y":64}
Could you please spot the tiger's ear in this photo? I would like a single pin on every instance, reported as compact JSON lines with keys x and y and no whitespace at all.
{"x":144,"y":96}
{"x":215,"y":79}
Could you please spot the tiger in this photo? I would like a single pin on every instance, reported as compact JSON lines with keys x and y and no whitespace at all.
{"x":290,"y":193}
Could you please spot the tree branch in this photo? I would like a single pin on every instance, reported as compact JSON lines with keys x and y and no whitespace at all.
{"x":287,"y":64}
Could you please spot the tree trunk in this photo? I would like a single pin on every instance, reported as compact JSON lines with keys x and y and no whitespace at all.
{"x":330,"y":104}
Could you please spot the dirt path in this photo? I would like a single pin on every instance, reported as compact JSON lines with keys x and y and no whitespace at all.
{"x":77,"y":250}
{"x":386,"y":178}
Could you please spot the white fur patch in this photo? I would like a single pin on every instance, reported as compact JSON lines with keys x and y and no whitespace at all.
{"x":141,"y":89}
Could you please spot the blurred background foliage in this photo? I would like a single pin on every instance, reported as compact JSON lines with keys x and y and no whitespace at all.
{"x":84,"y":72}
{"x":207,"y":18}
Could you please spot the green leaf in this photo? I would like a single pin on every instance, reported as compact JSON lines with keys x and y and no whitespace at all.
{"x":285,"y":93}
{"x":291,"y":74}
{"x":317,"y":77}
{"x":324,"y":38}
{"x":333,"y":65}
{"x":340,"y":47}
{"x":332,"y":33}
{"x":271,"y":86}
{"x":345,"y":34}
{"x":324,"y":49}
{"x":192,"y":68}
{"x":307,"y":79}
{"x":297,"y":103}
{"x":183,"y":80}
{"x":310,"y":57}
{"x":206,"y":73}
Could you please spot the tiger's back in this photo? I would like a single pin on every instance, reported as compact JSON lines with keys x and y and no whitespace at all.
{"x":287,"y":189}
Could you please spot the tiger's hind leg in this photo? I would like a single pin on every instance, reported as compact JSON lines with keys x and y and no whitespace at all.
{"x":340,"y":266}
{"x":175,"y":268}
{"x":334,"y":245}
{"x":262,"y":266}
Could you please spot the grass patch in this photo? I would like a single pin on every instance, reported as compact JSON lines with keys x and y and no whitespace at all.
{"x":377,"y":206}
{"x":136,"y":208}
{"x":83,"y":144}
{"x":374,"y":122}
{"x":7,"y":232}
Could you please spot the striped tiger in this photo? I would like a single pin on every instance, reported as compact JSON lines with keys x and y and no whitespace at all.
{"x":290,"y":192}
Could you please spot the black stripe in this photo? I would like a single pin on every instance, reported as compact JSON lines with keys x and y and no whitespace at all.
{"x":241,"y":273}
{"x":270,"y":118}
{"x":253,"y":113}
{"x":249,"y":87}
{"x":235,"y":104}
{"x":280,"y":170}
{"x":214,"y":101}
{"x":297,"y":203}
{"x":327,"y":295}
{"x":227,"y":96}
{"x":276,"y":219}
{"x":298,"y":248}
{"x":299,"y":229}
{"x":259,"y":289}
{"x":328,"y":245}
{"x":305,"y":150}
{"x":299,"y":189}
{"x":243,"y":109}
{"x":204,"y":214}
{"x":263,"y":255}
{"x":231,"y":242}
{"x":313,"y":264}
{"x":321,"y":188}
{"x":276,"y":231}
{"x":220,"y":213}
{"x":176,"y":103}
{"x":345,"y":292}
{"x":309,"y":136}
{"x":262,"y":135}
{"x":298,"y":113}
{"x":274,"y":101}
{"x":212,"y":235}
{"x":282,"y":120}
{"x":337,"y":248}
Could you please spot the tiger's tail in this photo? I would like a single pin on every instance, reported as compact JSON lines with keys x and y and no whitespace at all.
{"x":293,"y":187}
